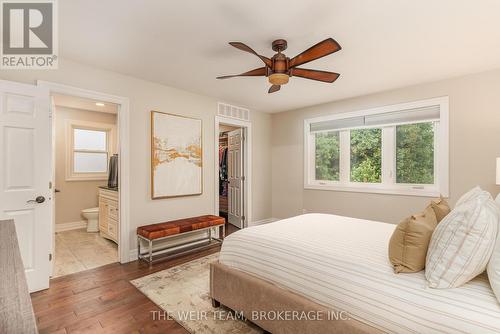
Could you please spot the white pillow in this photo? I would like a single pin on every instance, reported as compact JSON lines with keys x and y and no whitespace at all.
{"x":463,"y":242}
{"x":471,"y":194}
{"x":493,"y":268}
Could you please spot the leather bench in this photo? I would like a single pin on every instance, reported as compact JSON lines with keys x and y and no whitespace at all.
{"x":175,"y":228}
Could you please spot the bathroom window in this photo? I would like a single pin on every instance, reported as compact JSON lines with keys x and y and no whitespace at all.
{"x":89,"y":148}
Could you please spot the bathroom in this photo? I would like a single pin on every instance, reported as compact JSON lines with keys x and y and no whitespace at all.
{"x":86,"y":192}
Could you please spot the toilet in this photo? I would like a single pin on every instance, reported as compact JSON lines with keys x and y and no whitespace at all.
{"x":92,"y":216}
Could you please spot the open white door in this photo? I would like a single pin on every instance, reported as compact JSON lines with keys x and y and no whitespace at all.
{"x":236,"y":178}
{"x":25,"y":156}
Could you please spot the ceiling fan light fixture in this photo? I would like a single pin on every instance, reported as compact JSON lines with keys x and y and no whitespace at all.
{"x":278,"y":78}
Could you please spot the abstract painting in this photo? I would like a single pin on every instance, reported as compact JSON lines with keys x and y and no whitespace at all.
{"x":176,"y":155}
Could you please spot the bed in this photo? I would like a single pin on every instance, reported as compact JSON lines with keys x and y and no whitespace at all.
{"x":335,"y":264}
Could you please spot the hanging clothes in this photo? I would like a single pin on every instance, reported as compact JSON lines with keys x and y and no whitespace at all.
{"x":223,"y":167}
{"x":223,"y":164}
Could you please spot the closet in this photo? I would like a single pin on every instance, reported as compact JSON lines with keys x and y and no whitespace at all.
{"x":223,"y":179}
{"x":231,"y":175}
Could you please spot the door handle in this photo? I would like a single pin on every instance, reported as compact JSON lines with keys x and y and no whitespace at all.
{"x":38,"y":199}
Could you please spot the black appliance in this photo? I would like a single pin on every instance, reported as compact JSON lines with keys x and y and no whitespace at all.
{"x":113,"y":172}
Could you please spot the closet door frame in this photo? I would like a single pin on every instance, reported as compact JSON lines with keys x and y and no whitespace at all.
{"x":247,"y":165}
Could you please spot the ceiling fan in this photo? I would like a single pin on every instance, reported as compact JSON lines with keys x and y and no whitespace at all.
{"x":280,"y":68}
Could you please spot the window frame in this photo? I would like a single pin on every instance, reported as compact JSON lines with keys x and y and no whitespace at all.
{"x":388,"y":184}
{"x":71,"y":125}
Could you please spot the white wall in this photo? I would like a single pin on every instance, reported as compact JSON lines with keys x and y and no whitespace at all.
{"x":474,"y":145}
{"x":146,"y":96}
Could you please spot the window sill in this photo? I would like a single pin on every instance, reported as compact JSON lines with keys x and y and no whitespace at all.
{"x":87,"y":178}
{"x":377,"y":190}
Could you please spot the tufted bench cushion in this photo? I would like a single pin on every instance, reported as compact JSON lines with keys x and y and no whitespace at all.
{"x":160,"y":230}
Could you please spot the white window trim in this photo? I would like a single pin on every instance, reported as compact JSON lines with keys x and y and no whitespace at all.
{"x":72,"y":124}
{"x":441,"y":155}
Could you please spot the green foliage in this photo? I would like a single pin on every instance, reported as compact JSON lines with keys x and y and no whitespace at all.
{"x":327,"y":156}
{"x":415,"y":153}
{"x":366,"y":155}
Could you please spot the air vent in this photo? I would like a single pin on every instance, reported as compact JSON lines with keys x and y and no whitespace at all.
{"x":227,"y":110}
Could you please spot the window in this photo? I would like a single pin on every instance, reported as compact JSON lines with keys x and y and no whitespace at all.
{"x":366,"y":155}
{"x":399,"y":149}
{"x":415,"y":153}
{"x":327,"y":156}
{"x":89,"y":148}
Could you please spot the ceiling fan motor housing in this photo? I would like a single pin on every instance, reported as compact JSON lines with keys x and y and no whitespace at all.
{"x":279,"y":72}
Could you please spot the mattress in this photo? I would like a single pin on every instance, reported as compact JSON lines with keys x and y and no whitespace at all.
{"x":342,"y":263}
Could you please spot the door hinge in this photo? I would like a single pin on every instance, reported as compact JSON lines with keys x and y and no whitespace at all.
{"x":242,"y":217}
{"x":50,"y":185}
{"x":243,"y":178}
{"x":50,"y":256}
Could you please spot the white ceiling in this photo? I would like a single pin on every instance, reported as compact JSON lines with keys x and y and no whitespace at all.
{"x":386,"y":43}
{"x":84,"y":104}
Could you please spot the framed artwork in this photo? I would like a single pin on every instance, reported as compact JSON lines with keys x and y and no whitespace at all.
{"x":176,"y":156}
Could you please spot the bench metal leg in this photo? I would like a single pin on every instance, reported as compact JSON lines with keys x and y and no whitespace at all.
{"x":222,"y":232}
{"x":138,"y":248}
{"x":150,"y":251}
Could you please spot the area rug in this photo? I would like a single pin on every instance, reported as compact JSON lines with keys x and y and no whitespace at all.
{"x":183,"y":293}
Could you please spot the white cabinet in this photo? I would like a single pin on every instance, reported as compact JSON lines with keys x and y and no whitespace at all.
{"x":108,"y":214}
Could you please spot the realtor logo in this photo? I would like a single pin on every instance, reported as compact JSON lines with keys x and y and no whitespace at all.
{"x":28,"y":34}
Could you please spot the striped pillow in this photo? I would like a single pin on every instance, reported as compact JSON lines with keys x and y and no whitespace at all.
{"x":463,"y":242}
{"x":494,"y":269}
{"x":494,"y":264}
{"x":470,"y":195}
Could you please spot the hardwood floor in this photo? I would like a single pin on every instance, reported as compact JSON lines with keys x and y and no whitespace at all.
{"x":102,"y":300}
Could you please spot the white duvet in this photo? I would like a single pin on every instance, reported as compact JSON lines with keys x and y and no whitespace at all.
{"x":342,"y":262}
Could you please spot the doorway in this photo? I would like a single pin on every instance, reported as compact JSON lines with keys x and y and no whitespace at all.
{"x":27,"y":171}
{"x":125,"y":254}
{"x":85,"y":180}
{"x":232,"y":200}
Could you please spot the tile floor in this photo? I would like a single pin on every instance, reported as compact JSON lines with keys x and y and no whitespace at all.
{"x":78,"y":250}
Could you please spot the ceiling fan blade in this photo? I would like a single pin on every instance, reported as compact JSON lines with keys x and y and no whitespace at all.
{"x":246,"y":48}
{"x":274,"y":88}
{"x":324,"y":48}
{"x":315,"y":74}
{"x":261,"y":71}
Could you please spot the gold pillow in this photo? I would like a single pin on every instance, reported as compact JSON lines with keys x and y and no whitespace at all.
{"x":410,"y":240}
{"x":440,"y":207}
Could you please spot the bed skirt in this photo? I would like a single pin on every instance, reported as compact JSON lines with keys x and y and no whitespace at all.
{"x":277,"y":310}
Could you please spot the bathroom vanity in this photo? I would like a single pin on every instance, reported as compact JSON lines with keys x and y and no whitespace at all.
{"x":108,"y":213}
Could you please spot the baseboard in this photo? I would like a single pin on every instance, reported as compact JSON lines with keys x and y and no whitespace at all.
{"x":263,"y":221}
{"x":133,"y":254}
{"x":71,"y":226}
